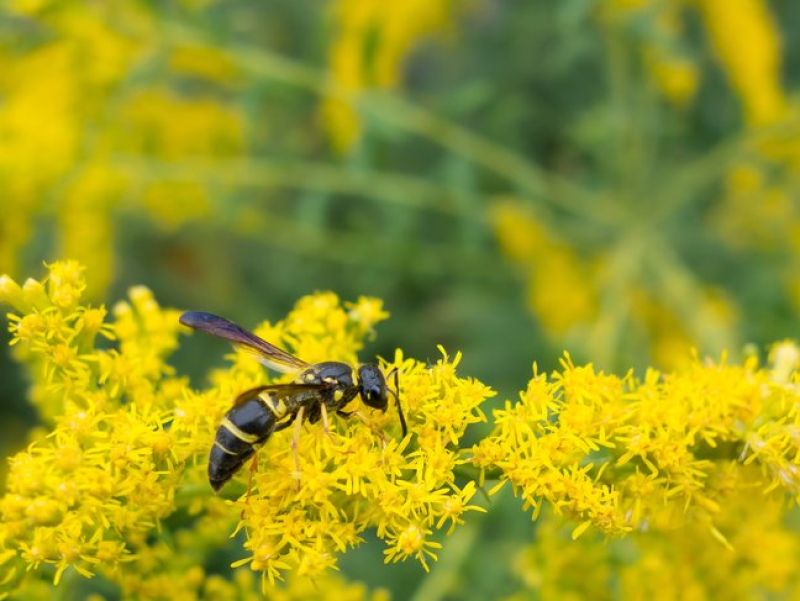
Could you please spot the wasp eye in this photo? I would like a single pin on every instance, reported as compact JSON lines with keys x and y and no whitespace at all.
{"x":374,"y":397}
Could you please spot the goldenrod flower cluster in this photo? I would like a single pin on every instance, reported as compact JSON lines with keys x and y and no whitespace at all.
{"x":669,"y":451}
{"x":559,"y":288}
{"x":742,"y":34}
{"x":128,"y":442}
{"x":758,"y":212}
{"x":363,"y":474}
{"x":584,"y":297}
{"x":357,"y":478}
{"x":77,"y":64}
{"x":760,"y":559}
{"x":754,"y":68}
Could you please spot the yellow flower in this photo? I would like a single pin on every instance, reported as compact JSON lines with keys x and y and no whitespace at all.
{"x":747,"y":43}
{"x":205,"y":62}
{"x":129,"y":441}
{"x":560,"y":289}
{"x":412,"y":541}
{"x":624,"y":455}
{"x":679,"y":560}
{"x":658,"y":29}
{"x":373,"y":40}
{"x":693,"y":474}
{"x":82,"y":186}
{"x":357,"y":478}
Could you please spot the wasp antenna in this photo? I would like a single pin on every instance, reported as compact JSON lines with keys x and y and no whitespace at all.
{"x":402,"y":417}
{"x":396,"y":393}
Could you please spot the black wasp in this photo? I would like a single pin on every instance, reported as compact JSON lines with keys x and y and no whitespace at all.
{"x":258,"y":412}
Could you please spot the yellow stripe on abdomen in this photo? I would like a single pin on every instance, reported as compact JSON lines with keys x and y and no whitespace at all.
{"x":223,"y":449}
{"x":234,"y":429}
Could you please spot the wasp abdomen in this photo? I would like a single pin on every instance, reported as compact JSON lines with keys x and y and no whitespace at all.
{"x":244,"y":426}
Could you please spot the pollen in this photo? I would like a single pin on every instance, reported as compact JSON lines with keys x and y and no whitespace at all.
{"x":410,"y":540}
{"x":63,"y":355}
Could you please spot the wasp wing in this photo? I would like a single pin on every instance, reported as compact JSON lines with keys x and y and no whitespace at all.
{"x":281,"y":390}
{"x":268,"y":354}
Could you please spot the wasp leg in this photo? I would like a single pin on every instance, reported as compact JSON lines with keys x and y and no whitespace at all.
{"x":326,"y":426}
{"x":295,"y":441}
{"x":253,"y":470}
{"x":341,"y":413}
{"x":286,"y":424}
{"x":365,"y":421}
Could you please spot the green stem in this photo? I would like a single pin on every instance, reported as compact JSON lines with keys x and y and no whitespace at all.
{"x":681,"y":290}
{"x":403,"y":190}
{"x":471,"y":472}
{"x":515,"y":168}
{"x":687,"y":181}
{"x":512,"y":166}
{"x":66,"y":588}
{"x":623,"y":267}
{"x":351,"y":247}
{"x":444,"y":574}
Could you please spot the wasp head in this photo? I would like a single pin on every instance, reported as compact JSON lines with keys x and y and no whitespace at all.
{"x":372,"y":386}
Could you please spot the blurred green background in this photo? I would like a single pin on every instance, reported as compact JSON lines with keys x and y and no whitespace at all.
{"x":618,"y":178}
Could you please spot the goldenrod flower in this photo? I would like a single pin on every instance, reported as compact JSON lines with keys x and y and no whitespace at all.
{"x":356,"y":479}
{"x":373,"y":40}
{"x":758,"y":558}
{"x":747,"y":43}
{"x":129,"y":442}
{"x":624,"y":454}
{"x":81,"y":185}
{"x":560,"y":288}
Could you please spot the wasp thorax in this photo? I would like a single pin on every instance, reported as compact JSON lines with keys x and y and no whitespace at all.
{"x":329,"y":372}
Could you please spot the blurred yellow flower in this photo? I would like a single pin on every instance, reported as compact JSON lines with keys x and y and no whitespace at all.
{"x":205,"y":62}
{"x":373,"y":38}
{"x":71,"y":122}
{"x":677,"y":561}
{"x":590,"y":299}
{"x":658,"y":28}
{"x":560,"y":288}
{"x":745,"y":38}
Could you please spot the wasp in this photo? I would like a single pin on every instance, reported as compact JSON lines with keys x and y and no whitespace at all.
{"x":259,"y":412}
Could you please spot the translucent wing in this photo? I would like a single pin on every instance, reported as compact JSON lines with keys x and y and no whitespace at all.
{"x":266,"y":353}
{"x":282,"y":390}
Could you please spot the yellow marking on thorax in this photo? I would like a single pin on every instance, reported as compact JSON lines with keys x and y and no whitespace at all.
{"x":337,"y":395}
{"x":309,"y":377}
{"x":276,"y":406}
{"x":234,"y":429}
{"x":223,"y":449}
